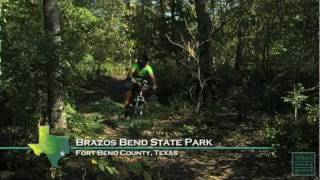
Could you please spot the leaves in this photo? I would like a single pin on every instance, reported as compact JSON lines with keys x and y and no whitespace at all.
{"x":296,"y":98}
{"x":105,"y":166}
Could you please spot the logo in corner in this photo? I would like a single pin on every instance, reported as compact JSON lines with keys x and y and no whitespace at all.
{"x":54,"y":147}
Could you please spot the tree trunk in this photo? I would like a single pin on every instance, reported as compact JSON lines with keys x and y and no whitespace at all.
{"x":127,"y":4}
{"x":240,"y":48}
{"x":0,"y":43}
{"x":205,"y":50}
{"x":205,"y":30}
{"x":163,"y":7}
{"x":173,"y":20}
{"x":163,"y":26}
{"x":53,"y":70}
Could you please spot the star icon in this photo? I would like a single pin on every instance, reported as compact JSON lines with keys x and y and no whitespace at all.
{"x":62,"y":153}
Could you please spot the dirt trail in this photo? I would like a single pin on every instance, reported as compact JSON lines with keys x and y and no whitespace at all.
{"x":196,"y":165}
{"x":218,"y":165}
{"x":105,"y":86}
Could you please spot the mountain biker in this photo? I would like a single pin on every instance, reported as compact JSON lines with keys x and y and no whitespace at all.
{"x":141,"y":70}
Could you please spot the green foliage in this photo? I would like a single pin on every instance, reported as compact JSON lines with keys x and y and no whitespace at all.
{"x":110,"y":109}
{"x":312,"y":113}
{"x":188,"y":129}
{"x":138,"y":125}
{"x":291,"y":135}
{"x":21,"y":67}
{"x":294,"y":133}
{"x":81,"y":125}
{"x":278,"y":128}
{"x":139,"y":169}
{"x":296,"y":98}
{"x":104,"y":165}
{"x":87,"y":33}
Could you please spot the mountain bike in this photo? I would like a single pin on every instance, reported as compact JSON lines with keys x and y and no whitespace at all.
{"x":137,"y":106}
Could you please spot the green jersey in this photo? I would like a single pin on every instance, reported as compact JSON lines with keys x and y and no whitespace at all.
{"x":142,"y":72}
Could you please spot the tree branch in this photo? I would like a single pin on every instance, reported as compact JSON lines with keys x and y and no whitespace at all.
{"x":174,"y":43}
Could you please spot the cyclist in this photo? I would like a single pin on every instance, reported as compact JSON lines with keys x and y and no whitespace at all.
{"x":141,"y":70}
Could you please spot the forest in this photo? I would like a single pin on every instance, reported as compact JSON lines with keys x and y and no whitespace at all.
{"x":239,"y":72}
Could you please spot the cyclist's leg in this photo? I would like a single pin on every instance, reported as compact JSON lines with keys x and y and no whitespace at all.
{"x":128,"y":97}
{"x":134,"y":91}
{"x":130,"y":94}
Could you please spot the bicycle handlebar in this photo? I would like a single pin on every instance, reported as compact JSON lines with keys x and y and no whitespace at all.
{"x":144,"y":83}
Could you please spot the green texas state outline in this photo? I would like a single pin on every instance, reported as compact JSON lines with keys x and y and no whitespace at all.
{"x":54,"y":147}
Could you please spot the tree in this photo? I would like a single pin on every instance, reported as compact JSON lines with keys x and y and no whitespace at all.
{"x":0,"y":40}
{"x":205,"y":32}
{"x":241,"y":38}
{"x":205,"y":50}
{"x":53,"y":70}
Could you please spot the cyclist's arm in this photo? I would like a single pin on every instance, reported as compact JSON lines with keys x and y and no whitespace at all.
{"x":132,"y":70}
{"x":153,"y":80}
{"x":151,"y":75}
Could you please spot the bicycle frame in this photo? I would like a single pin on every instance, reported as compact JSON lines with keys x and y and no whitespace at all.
{"x":139,"y":101}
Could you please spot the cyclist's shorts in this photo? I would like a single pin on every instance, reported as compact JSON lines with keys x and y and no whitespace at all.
{"x":128,"y":85}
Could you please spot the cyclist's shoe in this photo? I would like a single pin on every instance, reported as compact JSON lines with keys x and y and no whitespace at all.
{"x":126,"y":115}
{"x":127,"y":111}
